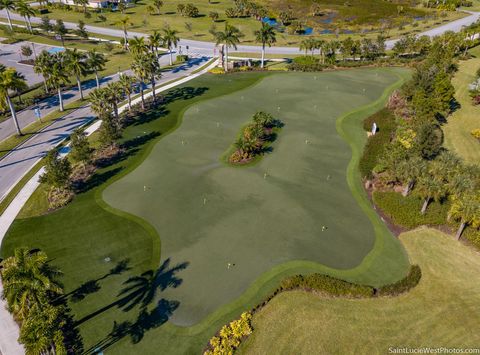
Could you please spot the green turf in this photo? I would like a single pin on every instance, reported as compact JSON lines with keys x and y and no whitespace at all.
{"x":80,"y":237}
{"x":441,"y":311}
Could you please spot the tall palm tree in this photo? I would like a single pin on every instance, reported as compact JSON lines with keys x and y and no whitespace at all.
{"x":142,"y":75}
{"x":430,"y":187}
{"x":99,"y":102}
{"x":126,"y":83}
{"x":155,"y":40}
{"x":27,"y":278}
{"x":266,"y":36}
{"x":125,"y":23}
{"x":8,"y":5}
{"x":57,"y":78}
{"x":409,"y":171}
{"x":170,"y":39}
{"x":76,"y":65}
{"x":25,"y":10}
{"x":43,"y":64}
{"x":230,"y":38}
{"x":114,"y":94}
{"x":466,"y":209}
{"x":96,"y":62}
{"x":10,"y":80}
{"x":137,"y":46}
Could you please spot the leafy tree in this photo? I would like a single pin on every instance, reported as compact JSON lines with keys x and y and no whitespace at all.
{"x":155,"y":40}
{"x":57,"y":171}
{"x":42,"y":66}
{"x":81,"y":151}
{"x":26,"y":51}
{"x":27,"y":277}
{"x":8,"y":5}
{"x":214,"y":16}
{"x":170,"y":39}
{"x":150,"y":69}
{"x":109,"y":131}
{"x":81,"y":31}
{"x":266,"y":36}
{"x":45,"y":24}
{"x":137,"y":46}
{"x":99,"y":103}
{"x":230,"y":37}
{"x":466,"y":209}
{"x":429,"y":140}
{"x":10,"y":80}
{"x":158,"y":5}
{"x":76,"y":64}
{"x":95,"y":62}
{"x":60,"y":30}
{"x":126,"y":83}
{"x":113,"y":93}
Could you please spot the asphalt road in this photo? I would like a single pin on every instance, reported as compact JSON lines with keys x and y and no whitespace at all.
{"x":207,"y":48}
{"x":21,"y":159}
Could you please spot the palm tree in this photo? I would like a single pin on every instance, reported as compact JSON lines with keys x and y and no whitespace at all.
{"x":8,"y":5}
{"x":137,"y":46}
{"x":466,"y":209}
{"x":155,"y":40}
{"x":43,"y":64}
{"x":113,"y":92}
{"x":142,"y":75}
{"x":265,"y":35}
{"x":230,"y":38}
{"x":126,"y":83}
{"x":77,"y":66}
{"x":409,"y":171}
{"x":307,"y":45}
{"x":124,"y":22}
{"x":170,"y":39}
{"x":27,"y":278}
{"x":99,"y":102}
{"x":96,"y":62}
{"x":25,"y":10}
{"x":10,"y":80}
{"x":430,"y":187}
{"x":57,"y":78}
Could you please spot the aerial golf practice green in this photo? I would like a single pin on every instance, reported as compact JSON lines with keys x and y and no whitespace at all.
{"x":219,"y":238}
{"x":232,"y":224}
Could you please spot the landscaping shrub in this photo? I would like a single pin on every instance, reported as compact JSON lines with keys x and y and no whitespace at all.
{"x":376,"y":144}
{"x":472,"y":235}
{"x":182,"y":58}
{"x":327,"y":284}
{"x":231,"y":335}
{"x":405,"y":211}
{"x":306,"y":63}
{"x":404,"y":285}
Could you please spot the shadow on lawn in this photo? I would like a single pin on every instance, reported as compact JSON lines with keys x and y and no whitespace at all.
{"x":140,"y":292}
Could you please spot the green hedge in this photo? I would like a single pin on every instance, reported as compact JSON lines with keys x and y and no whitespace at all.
{"x":405,"y":211}
{"x":376,"y":144}
{"x":306,"y":63}
{"x":472,"y":235}
{"x":327,"y":284}
{"x":404,"y":285}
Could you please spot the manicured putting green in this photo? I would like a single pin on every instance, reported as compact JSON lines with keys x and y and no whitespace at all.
{"x":295,"y":204}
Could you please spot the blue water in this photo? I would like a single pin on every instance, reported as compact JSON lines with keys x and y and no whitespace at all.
{"x":270,"y":21}
{"x":325,"y":32}
{"x":55,"y":50}
{"x":327,"y":20}
{"x":308,"y":31}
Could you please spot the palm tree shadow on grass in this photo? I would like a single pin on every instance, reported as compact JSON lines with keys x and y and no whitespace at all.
{"x":141,"y":291}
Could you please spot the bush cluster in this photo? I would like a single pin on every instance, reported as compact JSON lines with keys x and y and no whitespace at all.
{"x":230,"y":336}
{"x":306,"y":64}
{"x":376,"y":144}
{"x":406,"y":284}
{"x":404,"y":211}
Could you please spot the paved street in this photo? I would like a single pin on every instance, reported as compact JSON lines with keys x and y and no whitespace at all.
{"x":207,"y":48}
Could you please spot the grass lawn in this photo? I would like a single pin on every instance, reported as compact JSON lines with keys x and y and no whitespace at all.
{"x":88,"y":239}
{"x":360,"y":16}
{"x":441,"y":311}
{"x":467,"y":117}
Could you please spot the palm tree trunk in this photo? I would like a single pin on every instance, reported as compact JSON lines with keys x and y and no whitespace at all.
{"x":407,"y":189}
{"x":115,"y":111}
{"x":226,"y":58}
{"x":79,"y":83}
{"x":171,"y":54}
{"x":9,"y":19}
{"x":60,"y":98}
{"x":45,"y":83}
{"x":14,"y":115}
{"x":29,"y":24}
{"x":125,"y":38}
{"x":153,"y":88}
{"x":96,"y":78}
{"x":425,"y":205}
{"x":129,"y":102}
{"x":263,"y":56}
{"x":143,"y":98}
{"x":460,"y":230}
